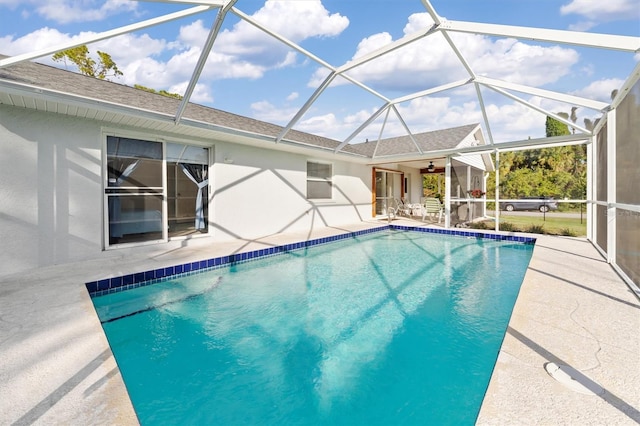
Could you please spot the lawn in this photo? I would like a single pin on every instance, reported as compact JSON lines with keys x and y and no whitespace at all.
{"x":539,"y":225}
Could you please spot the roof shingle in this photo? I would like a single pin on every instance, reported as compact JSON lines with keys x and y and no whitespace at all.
{"x":56,"y":79}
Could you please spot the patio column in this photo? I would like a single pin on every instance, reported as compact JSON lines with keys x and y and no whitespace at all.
{"x":447,"y":192}
{"x":611,"y":187}
{"x":497,"y":201}
{"x":591,"y":189}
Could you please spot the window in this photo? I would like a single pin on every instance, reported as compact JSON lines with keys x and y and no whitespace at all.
{"x":154,"y":190}
{"x":319,"y":184}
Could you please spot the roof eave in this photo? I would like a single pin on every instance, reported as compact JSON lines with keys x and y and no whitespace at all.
{"x":39,"y":95}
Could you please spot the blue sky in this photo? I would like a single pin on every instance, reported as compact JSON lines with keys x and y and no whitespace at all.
{"x":251,"y":74}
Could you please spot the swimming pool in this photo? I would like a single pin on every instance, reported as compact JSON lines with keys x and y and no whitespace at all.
{"x":385,"y":328}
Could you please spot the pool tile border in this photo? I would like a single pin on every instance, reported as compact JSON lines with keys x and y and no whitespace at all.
{"x":139,"y":279}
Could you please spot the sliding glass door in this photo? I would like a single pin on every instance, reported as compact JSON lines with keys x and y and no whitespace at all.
{"x":387,"y":186}
{"x":154,"y":190}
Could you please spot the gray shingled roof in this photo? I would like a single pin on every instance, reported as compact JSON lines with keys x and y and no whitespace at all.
{"x":428,"y":141}
{"x":52,"y":78}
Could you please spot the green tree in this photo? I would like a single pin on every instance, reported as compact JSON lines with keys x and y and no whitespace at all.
{"x":161,"y":92}
{"x":559,"y":172}
{"x":103,"y":68}
{"x":554,"y":127}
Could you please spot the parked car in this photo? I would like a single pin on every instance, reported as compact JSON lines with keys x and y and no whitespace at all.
{"x":543,"y":204}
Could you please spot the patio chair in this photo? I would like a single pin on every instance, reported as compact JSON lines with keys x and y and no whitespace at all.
{"x":391,"y":208}
{"x":402,"y":207}
{"x":432,"y":206}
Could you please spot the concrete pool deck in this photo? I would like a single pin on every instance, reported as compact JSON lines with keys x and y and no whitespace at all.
{"x":573,"y":309}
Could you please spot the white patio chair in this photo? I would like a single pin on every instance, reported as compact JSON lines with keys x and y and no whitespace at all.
{"x":402,"y":208}
{"x":432,"y":206}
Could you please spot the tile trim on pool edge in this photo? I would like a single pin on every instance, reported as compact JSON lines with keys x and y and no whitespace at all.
{"x":140,"y":279}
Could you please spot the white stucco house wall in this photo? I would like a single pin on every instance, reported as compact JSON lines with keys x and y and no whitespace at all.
{"x":79,"y":180}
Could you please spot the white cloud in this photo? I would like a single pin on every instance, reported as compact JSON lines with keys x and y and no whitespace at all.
{"x":131,"y":53}
{"x":293,"y":96}
{"x":328,"y":125}
{"x":603,"y":11}
{"x":124,"y":47}
{"x":428,"y":110}
{"x":319,"y":75}
{"x":147,"y":72}
{"x":40,"y":39}
{"x":514,"y":121}
{"x":319,"y":124}
{"x":240,"y":52}
{"x":427,"y":114}
{"x":299,"y":20}
{"x":371,"y":43}
{"x":130,"y":47}
{"x":596,"y":12}
{"x":265,"y":111}
{"x":356,"y":119}
{"x":587,"y":70}
{"x":66,"y":11}
{"x":511,"y":60}
{"x":420,"y":115}
{"x":201,"y":93}
{"x":430,"y":62}
{"x":193,"y":34}
{"x":246,"y":52}
{"x":582,"y":26}
{"x":289,"y":59}
{"x":509,"y":121}
{"x":245,"y":44}
{"x":12,"y":4}
{"x":600,"y":90}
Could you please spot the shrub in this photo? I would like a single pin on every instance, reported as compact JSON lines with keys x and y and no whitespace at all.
{"x":479,"y":225}
{"x":507,"y":226}
{"x":568,"y":232}
{"x":535,"y":229}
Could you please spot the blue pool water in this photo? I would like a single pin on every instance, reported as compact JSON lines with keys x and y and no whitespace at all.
{"x":397,"y":328}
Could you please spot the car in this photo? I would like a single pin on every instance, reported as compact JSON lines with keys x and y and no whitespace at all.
{"x":543,"y":204}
